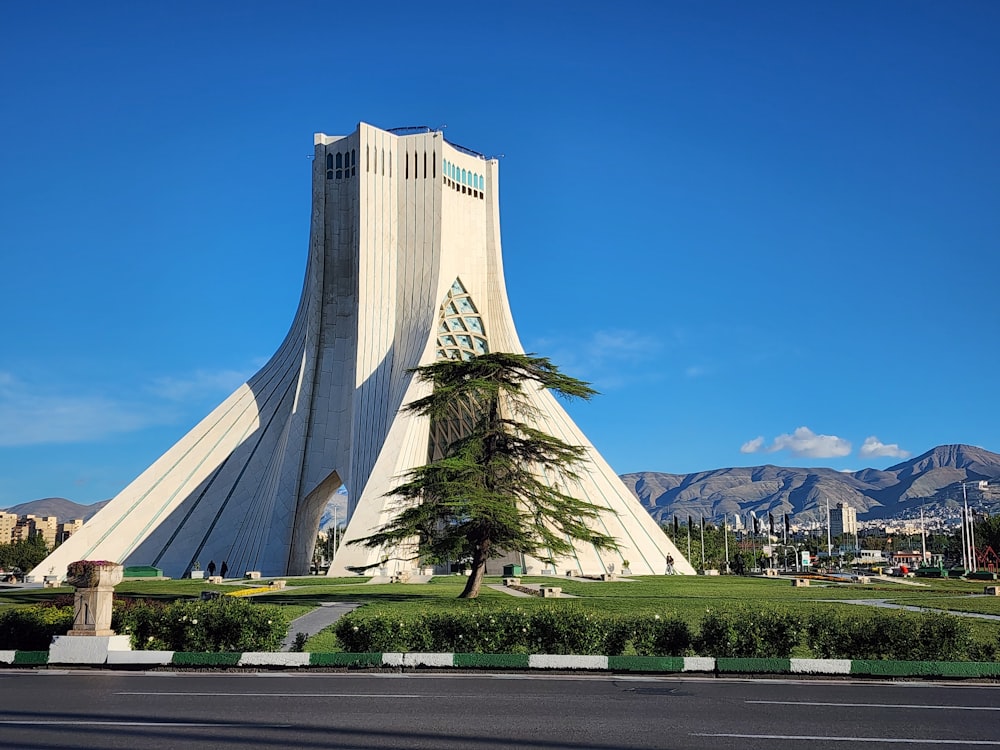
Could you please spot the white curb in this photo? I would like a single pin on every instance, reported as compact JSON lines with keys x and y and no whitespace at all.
{"x":821,"y":666}
{"x":699,"y":664}
{"x":7,"y":657}
{"x":161,"y":658}
{"x":428,"y":660}
{"x":392,"y":659}
{"x":558,"y":661}
{"x":269,"y":659}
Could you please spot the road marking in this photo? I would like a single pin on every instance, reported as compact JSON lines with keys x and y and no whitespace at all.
{"x":290,"y":695}
{"x":36,"y":722}
{"x":820,"y":737}
{"x":877,"y":705}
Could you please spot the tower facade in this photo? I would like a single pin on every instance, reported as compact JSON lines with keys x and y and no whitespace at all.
{"x":404,"y":267}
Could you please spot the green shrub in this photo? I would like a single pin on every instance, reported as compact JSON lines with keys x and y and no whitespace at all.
{"x":564,"y":631}
{"x":662,"y":636}
{"x":745,"y":633}
{"x":904,"y":636}
{"x":514,"y":631}
{"x":32,"y":628}
{"x":224,"y":624}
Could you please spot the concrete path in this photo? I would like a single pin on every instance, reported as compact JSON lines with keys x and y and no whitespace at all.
{"x":311,"y":623}
{"x":889,"y":605}
{"x":504,"y":590}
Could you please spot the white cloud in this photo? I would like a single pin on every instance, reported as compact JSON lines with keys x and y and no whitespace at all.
{"x":38,"y":414}
{"x":609,"y":358}
{"x":34,"y":416}
{"x":199,"y":384}
{"x":802,"y":442}
{"x":873,"y":447}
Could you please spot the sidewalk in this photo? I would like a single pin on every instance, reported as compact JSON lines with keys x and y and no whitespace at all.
{"x":311,"y":623}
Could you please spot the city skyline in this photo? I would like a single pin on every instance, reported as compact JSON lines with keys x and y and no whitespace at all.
{"x":772,"y":225}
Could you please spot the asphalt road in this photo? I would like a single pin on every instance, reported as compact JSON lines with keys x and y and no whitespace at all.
{"x":59,"y":710}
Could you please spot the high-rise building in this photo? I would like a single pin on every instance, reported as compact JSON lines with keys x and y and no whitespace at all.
{"x":843,"y":520}
{"x":7,"y":523}
{"x":404,"y":267}
{"x":66,"y":529}
{"x":31,"y":525}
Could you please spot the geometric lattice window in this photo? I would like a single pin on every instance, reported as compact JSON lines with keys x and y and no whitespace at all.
{"x":460,"y":328}
{"x":460,"y":336}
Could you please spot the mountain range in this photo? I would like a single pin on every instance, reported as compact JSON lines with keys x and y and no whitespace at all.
{"x":932,"y":481}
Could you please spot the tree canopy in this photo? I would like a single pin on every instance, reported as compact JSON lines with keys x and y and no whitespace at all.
{"x":494,"y":484}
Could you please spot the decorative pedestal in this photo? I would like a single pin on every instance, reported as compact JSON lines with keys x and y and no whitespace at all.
{"x":91,"y":638}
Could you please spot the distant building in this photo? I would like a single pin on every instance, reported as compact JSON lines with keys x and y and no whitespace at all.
{"x":7,"y":523}
{"x":65,"y":530}
{"x":44,"y":526}
{"x":843,"y":520}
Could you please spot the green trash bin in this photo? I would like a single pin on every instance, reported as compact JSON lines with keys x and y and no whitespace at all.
{"x":512,"y":570}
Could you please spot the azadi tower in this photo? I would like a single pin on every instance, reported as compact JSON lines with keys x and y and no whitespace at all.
{"x":404,"y":267}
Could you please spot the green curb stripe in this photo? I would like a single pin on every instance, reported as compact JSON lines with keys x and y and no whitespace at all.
{"x":646,"y":663}
{"x":509,"y":661}
{"x":31,"y":657}
{"x":343,"y":659}
{"x":889,"y":668}
{"x":206,"y":659}
{"x":769,"y":666}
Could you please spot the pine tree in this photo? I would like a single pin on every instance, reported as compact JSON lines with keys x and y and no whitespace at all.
{"x":498,"y":486}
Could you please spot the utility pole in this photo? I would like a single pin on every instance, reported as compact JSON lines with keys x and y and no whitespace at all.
{"x":703,"y":542}
{"x":923,"y":538}
{"x":829,"y":541}
{"x":689,"y":538}
{"x":725,"y":537}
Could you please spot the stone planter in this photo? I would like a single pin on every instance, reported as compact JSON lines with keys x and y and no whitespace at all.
{"x":95,"y":586}
{"x":85,"y":574}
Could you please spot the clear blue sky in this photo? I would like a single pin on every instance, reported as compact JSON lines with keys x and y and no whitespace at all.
{"x":766,"y":231}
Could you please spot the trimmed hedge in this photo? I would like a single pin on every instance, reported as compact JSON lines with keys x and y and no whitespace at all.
{"x":32,"y":628}
{"x":743,"y":633}
{"x":224,"y":624}
{"x":503,"y":631}
{"x":900,"y":636}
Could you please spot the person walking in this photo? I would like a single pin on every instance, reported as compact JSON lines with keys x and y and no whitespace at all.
{"x":211,"y":568}
{"x":224,"y":569}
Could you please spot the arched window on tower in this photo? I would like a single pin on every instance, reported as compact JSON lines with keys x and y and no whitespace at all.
{"x":329,"y":166}
{"x":354,"y":162}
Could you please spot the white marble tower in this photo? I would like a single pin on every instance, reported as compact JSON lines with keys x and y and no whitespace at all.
{"x":404,"y":267}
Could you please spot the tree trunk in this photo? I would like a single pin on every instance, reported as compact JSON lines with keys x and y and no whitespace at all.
{"x":479,"y":558}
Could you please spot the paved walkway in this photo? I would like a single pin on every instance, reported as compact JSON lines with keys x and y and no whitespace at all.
{"x":311,"y":623}
{"x":889,"y":605}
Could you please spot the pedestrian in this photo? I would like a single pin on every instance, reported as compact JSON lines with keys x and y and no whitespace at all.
{"x":211,"y":568}
{"x":224,"y":569}
{"x":670,"y":565}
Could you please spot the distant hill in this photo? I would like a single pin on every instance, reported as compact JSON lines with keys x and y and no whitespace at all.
{"x":60,"y":507}
{"x":932,"y":480}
